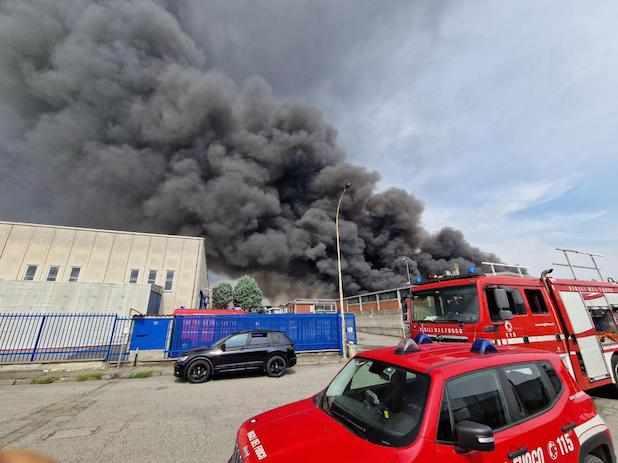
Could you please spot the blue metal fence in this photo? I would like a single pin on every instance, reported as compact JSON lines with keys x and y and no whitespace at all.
{"x":62,"y":337}
{"x":26,"y":338}
{"x":307,"y":331}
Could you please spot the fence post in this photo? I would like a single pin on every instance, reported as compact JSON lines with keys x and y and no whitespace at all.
{"x":111,"y":340}
{"x":38,"y":338}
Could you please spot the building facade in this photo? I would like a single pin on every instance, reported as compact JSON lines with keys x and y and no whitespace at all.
{"x":385,"y":300}
{"x":41,"y":266}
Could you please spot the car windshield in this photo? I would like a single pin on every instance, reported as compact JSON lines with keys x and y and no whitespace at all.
{"x":451,"y":304}
{"x":380,"y":402}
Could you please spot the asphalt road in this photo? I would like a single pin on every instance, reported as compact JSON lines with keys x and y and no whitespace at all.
{"x":159,"y":419}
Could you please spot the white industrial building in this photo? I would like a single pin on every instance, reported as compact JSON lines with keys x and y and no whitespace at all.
{"x":46,"y":268}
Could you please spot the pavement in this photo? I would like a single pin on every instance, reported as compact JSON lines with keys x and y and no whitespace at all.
{"x":145,"y":420}
{"x":368,"y":341}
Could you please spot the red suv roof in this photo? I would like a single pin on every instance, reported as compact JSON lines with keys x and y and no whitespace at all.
{"x":457,"y":356}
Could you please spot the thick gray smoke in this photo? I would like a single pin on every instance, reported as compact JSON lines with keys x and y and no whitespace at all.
{"x":110,"y":117}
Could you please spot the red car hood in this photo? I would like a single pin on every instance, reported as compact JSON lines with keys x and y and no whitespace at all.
{"x":301,"y":432}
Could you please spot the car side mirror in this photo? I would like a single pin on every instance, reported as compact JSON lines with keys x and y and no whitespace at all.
{"x":222,"y":347}
{"x":505,"y":315}
{"x":474,"y":436}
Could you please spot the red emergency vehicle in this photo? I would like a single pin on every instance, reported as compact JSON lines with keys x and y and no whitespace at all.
{"x":573,"y":318}
{"x":436,"y":402}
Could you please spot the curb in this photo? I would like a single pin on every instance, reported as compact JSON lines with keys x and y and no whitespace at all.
{"x":128,"y":373}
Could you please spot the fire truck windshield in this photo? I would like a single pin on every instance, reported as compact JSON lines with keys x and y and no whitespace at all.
{"x":380,"y":402}
{"x":450,"y":304}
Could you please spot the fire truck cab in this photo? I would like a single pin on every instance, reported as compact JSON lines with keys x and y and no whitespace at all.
{"x":573,"y":318}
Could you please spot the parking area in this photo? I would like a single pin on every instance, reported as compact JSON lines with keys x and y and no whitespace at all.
{"x":160,"y":418}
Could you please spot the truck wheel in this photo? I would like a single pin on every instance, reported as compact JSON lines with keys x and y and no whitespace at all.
{"x":275,"y":366}
{"x":592,"y":459}
{"x":198,"y":371}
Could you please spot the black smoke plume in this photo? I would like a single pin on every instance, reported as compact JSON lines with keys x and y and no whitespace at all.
{"x":110,"y":117}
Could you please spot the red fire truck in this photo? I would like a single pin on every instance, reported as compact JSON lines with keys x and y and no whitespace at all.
{"x":574,"y":318}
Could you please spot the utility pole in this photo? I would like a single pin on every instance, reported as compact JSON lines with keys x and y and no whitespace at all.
{"x":342,"y":312}
{"x":406,"y":259}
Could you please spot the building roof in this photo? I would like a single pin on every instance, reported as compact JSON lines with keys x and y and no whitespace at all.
{"x":99,"y":230}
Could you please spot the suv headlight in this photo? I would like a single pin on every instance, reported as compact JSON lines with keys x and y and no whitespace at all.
{"x":182,"y":358}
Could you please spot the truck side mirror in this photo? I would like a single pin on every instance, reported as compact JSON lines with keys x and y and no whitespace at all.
{"x":502,"y":299}
{"x":505,"y":315}
{"x":474,"y":436}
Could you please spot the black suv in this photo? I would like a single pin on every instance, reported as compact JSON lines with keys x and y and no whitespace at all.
{"x":270,"y":351}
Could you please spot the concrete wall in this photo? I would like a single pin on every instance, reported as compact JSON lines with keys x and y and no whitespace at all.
{"x":383,"y":322}
{"x":106,"y":256}
{"x":64,"y":297}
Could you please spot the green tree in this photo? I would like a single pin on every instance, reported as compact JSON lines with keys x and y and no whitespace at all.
{"x":222,"y":295}
{"x":247,"y":293}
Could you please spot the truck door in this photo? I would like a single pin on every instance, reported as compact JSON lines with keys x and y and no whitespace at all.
{"x":586,"y":335}
{"x":544,"y":330}
{"x":510,"y":331}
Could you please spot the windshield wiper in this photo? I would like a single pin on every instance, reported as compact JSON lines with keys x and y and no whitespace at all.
{"x":349,"y":420}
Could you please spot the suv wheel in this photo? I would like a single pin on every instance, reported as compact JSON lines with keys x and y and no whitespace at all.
{"x":198,"y":372}
{"x":275,"y":366}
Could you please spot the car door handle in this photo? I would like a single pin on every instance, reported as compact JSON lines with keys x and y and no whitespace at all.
{"x":517,"y":453}
{"x":568,"y":427}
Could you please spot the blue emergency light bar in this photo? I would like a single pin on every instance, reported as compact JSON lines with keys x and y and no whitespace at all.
{"x":483,"y":346}
{"x":422,"y":338}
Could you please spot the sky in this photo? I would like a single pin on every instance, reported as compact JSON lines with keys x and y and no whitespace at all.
{"x":500,"y":116}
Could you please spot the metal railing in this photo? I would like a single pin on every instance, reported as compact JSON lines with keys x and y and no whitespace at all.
{"x":309,"y":332}
{"x":28,"y":338}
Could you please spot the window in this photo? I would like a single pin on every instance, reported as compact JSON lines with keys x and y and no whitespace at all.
{"x":445,"y":427}
{"x":387,"y":296}
{"x":451,"y":304}
{"x":354,"y":301}
{"x":237,"y":341}
{"x":516,"y":303}
{"x":74,"y":276}
{"x":152,"y":277}
{"x":52,"y":274}
{"x":134,"y":275}
{"x":368,"y":298}
{"x":259,"y":339}
{"x":528,"y":387}
{"x":321,"y":308}
{"x":477,"y":397}
{"x":30,"y":272}
{"x":366,"y":376}
{"x":383,"y":400}
{"x":536,"y":301}
{"x":169,"y":280}
{"x":553,"y":379}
